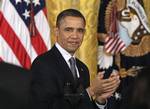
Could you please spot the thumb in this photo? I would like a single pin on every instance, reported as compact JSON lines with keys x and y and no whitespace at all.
{"x":100,"y":75}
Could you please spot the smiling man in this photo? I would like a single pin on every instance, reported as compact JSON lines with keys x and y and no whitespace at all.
{"x":60,"y":80}
{"x":70,"y":33}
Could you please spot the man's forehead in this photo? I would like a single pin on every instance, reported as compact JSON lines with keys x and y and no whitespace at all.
{"x":72,"y":19}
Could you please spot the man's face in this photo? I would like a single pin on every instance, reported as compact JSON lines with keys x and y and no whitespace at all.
{"x":70,"y":33}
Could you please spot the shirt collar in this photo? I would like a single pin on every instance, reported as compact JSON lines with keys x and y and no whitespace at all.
{"x":64,"y":53}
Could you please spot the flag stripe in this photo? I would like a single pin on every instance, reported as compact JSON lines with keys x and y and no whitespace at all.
{"x":113,"y":43}
{"x":109,"y":42}
{"x":19,"y":27}
{"x":15,"y":44}
{"x":118,"y":44}
{"x":120,"y":47}
{"x":41,"y":27}
{"x":6,"y":53}
{"x":16,"y":17}
{"x":37,"y":42}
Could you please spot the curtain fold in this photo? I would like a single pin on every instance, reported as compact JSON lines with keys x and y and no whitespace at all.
{"x":88,"y":50}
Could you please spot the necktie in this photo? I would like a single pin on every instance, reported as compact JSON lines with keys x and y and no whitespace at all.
{"x":73,"y":68}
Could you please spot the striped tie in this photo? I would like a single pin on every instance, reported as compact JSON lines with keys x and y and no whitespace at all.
{"x":73,"y":68}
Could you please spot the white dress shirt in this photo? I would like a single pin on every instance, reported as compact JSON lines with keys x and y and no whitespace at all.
{"x":67,"y":56}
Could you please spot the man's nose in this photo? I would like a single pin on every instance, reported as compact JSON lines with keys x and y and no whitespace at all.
{"x":75,"y":34}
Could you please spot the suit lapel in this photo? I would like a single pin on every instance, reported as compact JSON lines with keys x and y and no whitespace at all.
{"x":84,"y":74}
{"x":62,"y":65}
{"x":64,"y":68}
{"x":81,"y":72}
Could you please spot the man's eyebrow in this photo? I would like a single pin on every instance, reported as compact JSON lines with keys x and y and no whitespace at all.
{"x":69,"y":27}
{"x":75,"y":28}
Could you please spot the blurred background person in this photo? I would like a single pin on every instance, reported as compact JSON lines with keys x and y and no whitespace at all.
{"x":14,"y":87}
{"x":138,"y":96}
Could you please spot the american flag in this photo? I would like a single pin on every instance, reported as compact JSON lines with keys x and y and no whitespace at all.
{"x":113,"y":43}
{"x":24,"y":31}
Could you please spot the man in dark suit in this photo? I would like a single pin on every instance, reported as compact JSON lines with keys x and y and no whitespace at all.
{"x":14,"y":87}
{"x":61,"y":81}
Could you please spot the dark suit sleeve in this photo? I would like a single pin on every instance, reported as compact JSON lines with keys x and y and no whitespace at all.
{"x":47,"y":87}
{"x":44,"y":87}
{"x":86,"y":102}
{"x":14,"y":86}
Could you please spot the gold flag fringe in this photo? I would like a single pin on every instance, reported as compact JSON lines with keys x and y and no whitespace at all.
{"x":138,"y":50}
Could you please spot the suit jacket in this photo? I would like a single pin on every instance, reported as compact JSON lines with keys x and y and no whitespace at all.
{"x":14,"y":87}
{"x":50,"y":73}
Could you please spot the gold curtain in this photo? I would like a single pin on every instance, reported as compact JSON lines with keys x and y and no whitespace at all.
{"x":88,"y":51}
{"x":147,"y":8}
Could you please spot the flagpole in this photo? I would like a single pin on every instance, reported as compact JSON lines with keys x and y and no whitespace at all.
{"x":32,"y":22}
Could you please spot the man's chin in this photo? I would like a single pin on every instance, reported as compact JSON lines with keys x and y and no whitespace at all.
{"x":72,"y":51}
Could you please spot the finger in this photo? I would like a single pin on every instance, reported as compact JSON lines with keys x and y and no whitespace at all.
{"x":110,"y":80}
{"x":114,"y":75}
{"x":106,"y":95}
{"x":100,"y":75}
{"x":110,"y":85}
{"x":112,"y":90}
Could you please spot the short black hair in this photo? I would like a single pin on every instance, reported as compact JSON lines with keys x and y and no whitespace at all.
{"x":69,"y":12}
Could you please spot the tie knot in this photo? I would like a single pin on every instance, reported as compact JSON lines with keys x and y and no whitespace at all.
{"x":72,"y":61}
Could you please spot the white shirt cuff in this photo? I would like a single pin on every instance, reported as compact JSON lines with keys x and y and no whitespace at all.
{"x":100,"y":106}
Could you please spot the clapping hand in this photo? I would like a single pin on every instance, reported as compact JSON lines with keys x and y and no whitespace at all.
{"x":102,"y":89}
